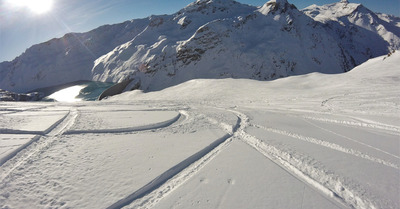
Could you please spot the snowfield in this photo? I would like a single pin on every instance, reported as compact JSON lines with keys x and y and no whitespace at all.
{"x":309,"y":141}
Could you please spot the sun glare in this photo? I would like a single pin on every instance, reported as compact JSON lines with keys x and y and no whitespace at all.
{"x":68,"y":94}
{"x":35,"y":6}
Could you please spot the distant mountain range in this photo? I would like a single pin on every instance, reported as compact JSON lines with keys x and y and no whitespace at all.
{"x":210,"y":39}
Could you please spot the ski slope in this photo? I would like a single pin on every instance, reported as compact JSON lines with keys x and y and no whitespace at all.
{"x":309,"y":141}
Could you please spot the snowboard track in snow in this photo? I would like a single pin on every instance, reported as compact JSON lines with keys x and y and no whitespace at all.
{"x":174,"y":177}
{"x":323,"y":181}
{"x":37,"y":145}
{"x":336,"y":189}
{"x":44,"y":139}
{"x":377,"y":126}
{"x":333,"y":187}
{"x":41,"y":133}
{"x":12,"y":111}
{"x":148,"y":127}
{"x":354,"y":140}
{"x":329,"y":145}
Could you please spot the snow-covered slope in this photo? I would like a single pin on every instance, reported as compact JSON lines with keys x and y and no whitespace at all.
{"x":261,"y":44}
{"x":209,"y":39}
{"x":308,"y":141}
{"x":362,"y":33}
{"x":377,"y":78}
{"x":67,"y":59}
{"x":390,"y":19}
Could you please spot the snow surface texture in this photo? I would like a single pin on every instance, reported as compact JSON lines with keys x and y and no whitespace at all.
{"x":210,"y":39}
{"x":309,"y":141}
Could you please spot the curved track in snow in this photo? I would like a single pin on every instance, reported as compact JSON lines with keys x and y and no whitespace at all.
{"x":340,"y":189}
{"x":307,"y":148}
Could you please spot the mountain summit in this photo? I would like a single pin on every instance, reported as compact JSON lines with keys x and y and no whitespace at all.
{"x":361,"y":32}
{"x":276,"y":6}
{"x":209,"y":39}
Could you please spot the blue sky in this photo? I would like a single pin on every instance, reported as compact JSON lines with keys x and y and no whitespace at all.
{"x":20,"y":27}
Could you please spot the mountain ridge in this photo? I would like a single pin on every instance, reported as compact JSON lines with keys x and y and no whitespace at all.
{"x":206,"y":39}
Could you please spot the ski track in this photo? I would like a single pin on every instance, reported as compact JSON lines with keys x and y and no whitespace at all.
{"x":162,"y":124}
{"x":45,"y":138}
{"x":374,"y":125}
{"x":16,"y":151}
{"x":326,"y":182}
{"x":155,"y":190}
{"x":353,"y":140}
{"x":42,"y":143}
{"x":363,"y":123}
{"x":323,"y":181}
{"x":11,"y":111}
{"x":329,"y":145}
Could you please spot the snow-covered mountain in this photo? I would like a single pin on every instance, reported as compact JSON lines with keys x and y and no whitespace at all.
{"x":67,"y":59}
{"x":210,"y":39}
{"x":310,"y":141}
{"x":361,"y":32}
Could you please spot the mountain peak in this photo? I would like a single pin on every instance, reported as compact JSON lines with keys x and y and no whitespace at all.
{"x":276,"y":6}
{"x":212,"y":2}
{"x":333,"y":11}
{"x":203,"y":6}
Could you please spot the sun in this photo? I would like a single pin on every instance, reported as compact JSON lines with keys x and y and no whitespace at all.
{"x":35,"y":6}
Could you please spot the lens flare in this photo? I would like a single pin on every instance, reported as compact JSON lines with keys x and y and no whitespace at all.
{"x":68,"y":94}
{"x":35,"y":6}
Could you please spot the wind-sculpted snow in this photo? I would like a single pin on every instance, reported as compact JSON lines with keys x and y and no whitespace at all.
{"x":209,"y":39}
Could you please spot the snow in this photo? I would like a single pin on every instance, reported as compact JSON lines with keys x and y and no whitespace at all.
{"x":11,"y":144}
{"x":25,"y":122}
{"x":262,"y":43}
{"x":358,"y":29}
{"x":307,"y":141}
{"x":232,"y":189}
{"x":333,"y":11}
{"x":119,"y":121}
{"x":206,"y":130}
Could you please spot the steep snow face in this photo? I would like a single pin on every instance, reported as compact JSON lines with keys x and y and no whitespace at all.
{"x":362,"y":33}
{"x":162,"y":37}
{"x":390,"y":19}
{"x":246,"y":42}
{"x":217,"y":8}
{"x":335,"y":11}
{"x":65,"y":59}
{"x":276,"y":6}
